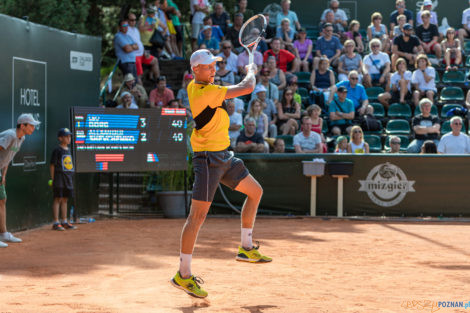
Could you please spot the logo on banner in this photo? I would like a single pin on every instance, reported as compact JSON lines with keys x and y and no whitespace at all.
{"x":386,"y":185}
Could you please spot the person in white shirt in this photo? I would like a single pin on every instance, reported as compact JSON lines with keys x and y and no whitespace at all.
{"x":400,"y":85}
{"x":232,"y":58}
{"x":464,"y":32}
{"x":127,"y":103}
{"x":199,"y":9}
{"x":423,"y":79}
{"x":341,"y":19}
{"x":376,"y":66}
{"x":236,"y":122}
{"x":307,"y":141}
{"x":454,"y":142}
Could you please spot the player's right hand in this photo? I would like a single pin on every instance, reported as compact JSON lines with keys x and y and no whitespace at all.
{"x":251,"y":68}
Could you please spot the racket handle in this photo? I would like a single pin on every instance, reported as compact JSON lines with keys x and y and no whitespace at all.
{"x":250,"y":58}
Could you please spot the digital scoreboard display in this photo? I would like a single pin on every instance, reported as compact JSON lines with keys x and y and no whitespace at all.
{"x":127,"y":140}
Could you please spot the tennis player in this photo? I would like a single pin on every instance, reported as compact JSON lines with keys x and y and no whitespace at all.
{"x":213,"y":164}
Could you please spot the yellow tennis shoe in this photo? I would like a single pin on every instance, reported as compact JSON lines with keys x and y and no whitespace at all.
{"x":252,"y":256}
{"x":189,"y":285}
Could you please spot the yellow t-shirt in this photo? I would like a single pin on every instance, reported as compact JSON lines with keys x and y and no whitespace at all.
{"x":214,"y":135}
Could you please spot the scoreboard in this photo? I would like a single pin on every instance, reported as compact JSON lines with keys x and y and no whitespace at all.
{"x":127,"y":140}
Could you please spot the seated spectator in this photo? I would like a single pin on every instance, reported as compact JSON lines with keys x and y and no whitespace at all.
{"x":286,"y":34}
{"x":400,"y":10}
{"x":341,"y":111}
{"x":357,"y":94}
{"x":429,"y":147}
{"x":292,"y":83}
{"x":356,"y":144}
{"x":341,"y":145}
{"x":242,"y":8}
{"x":249,"y":140}
{"x":225,"y":75}
{"x":378,"y":30}
{"x":395,"y":144}
{"x":183,"y":98}
{"x":397,"y":30}
{"x":454,"y":142}
{"x":303,"y":50}
{"x":243,"y":61}
{"x":125,"y":48}
{"x":340,"y":17}
{"x":227,"y":53}
{"x":330,"y":19}
{"x":428,"y":34}
{"x":234,"y":31}
{"x":142,"y":56}
{"x":282,"y":57}
{"x":239,"y":105}
{"x":139,"y":95}
{"x":349,"y":61}
{"x":353,"y":34}
{"x":423,"y":79}
{"x":210,"y":42}
{"x":425,"y":127}
{"x":256,"y":112}
{"x":268,"y":107}
{"x":236,"y":122}
{"x":160,"y":95}
{"x":376,"y":67}
{"x":314,"y":111}
{"x":464,"y":32}
{"x":272,"y":93}
{"x":173,"y":103}
{"x":288,"y":114}
{"x":287,"y":13}
{"x":276,"y":76}
{"x":199,"y":10}
{"x":126,"y":101}
{"x":307,"y":141}
{"x":279,"y":146}
{"x":406,"y":46}
{"x":170,"y":50}
{"x":220,"y":17}
{"x":327,"y":45}
{"x":323,"y":80}
{"x":451,"y":47}
{"x":216,"y":31}
{"x":401,"y":85}
{"x":427,"y":6}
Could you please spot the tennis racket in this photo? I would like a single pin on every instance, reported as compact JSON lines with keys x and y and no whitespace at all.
{"x":251,"y":33}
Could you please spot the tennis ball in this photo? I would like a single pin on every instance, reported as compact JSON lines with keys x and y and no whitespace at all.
{"x":50,"y":182}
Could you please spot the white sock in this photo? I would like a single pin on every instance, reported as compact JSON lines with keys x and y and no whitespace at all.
{"x":247,"y":239}
{"x":185,"y":265}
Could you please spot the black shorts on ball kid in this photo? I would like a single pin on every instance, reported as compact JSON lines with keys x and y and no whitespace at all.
{"x":62,"y":192}
{"x":212,"y":168}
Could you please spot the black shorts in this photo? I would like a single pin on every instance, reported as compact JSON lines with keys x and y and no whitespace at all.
{"x":127,"y":68}
{"x":179,"y":33}
{"x":396,"y":96}
{"x":342,"y":127}
{"x":62,"y":192}
{"x":212,"y":168}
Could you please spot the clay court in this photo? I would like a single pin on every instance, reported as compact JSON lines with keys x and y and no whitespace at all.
{"x":319,"y":266}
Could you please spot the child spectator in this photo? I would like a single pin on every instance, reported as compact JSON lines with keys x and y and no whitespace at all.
{"x":62,"y":170}
{"x":451,"y":47}
{"x":210,"y":42}
{"x":423,"y":79}
{"x":341,"y":144}
{"x":314,"y":112}
{"x":353,"y":34}
{"x":261,"y":119}
{"x":427,"y":6}
{"x":398,"y":29}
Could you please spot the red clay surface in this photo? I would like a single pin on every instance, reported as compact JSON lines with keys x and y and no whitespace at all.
{"x":319,"y":266}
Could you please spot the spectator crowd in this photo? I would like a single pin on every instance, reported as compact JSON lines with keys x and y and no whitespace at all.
{"x":335,"y":87}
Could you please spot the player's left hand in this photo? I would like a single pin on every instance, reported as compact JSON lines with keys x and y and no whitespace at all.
{"x":251,"y":67}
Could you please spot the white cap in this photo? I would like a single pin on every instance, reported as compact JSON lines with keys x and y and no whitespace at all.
{"x":125,"y":93}
{"x":203,"y":56}
{"x":27,"y":119}
{"x":206,"y":27}
{"x":259,"y":88}
{"x":427,"y":2}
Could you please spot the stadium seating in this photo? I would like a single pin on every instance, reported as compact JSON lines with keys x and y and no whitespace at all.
{"x":398,"y":127}
{"x":303,"y":79}
{"x":379,"y":110}
{"x":374,"y":92}
{"x":303,"y":92}
{"x":453,"y":77}
{"x":375,"y":143}
{"x":399,"y":110}
{"x":451,"y":94}
{"x":447,"y":107}
{"x":288,"y":141}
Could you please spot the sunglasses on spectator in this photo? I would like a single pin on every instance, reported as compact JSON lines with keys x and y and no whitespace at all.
{"x":394,"y":142}
{"x":289,"y":93}
{"x":457,"y":123}
{"x":224,"y":62}
{"x":132,"y":20}
{"x":329,"y":30}
{"x":375,"y":46}
{"x":354,"y":78}
{"x":124,"y":25}
{"x":357,"y":132}
{"x":226,"y":47}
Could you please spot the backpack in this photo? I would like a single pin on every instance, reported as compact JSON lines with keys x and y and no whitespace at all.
{"x":369,"y":123}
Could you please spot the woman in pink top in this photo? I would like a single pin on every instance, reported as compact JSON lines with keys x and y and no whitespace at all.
{"x":303,"y":50}
{"x":354,"y":34}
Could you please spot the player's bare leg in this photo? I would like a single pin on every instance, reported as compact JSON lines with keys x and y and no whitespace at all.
{"x":253,"y":191}
{"x":3,"y":216}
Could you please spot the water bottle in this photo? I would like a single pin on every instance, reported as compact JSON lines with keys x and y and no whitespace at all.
{"x":71,"y":214}
{"x":87,"y":220}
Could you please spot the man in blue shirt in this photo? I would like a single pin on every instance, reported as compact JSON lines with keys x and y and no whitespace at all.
{"x":341,"y":112}
{"x":327,"y":45}
{"x":125,"y":48}
{"x":357,"y":94}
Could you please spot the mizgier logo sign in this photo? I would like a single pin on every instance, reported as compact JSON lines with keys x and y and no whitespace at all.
{"x":386,"y":185}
